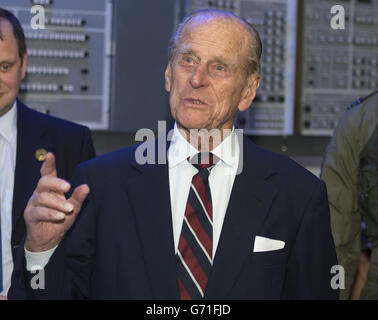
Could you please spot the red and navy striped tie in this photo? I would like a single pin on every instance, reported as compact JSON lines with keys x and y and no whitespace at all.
{"x":195,"y":249}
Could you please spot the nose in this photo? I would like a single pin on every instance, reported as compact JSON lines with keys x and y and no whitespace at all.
{"x":200,"y":77}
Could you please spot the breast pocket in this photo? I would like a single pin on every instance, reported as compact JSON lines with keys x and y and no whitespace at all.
{"x":263,"y":275}
{"x":268,"y":258}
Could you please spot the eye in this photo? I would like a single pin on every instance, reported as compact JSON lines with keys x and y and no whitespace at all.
{"x":218,"y":69}
{"x":188,"y":60}
{"x":5,"y":67}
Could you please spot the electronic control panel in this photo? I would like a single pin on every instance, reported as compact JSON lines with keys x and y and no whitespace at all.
{"x":339,"y":65}
{"x":69,"y":52}
{"x":272,"y":111}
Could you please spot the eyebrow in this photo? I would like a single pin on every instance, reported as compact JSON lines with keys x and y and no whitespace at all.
{"x":8,"y":61}
{"x":189,"y":51}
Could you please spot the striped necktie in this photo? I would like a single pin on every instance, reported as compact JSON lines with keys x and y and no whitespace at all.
{"x":195,"y":249}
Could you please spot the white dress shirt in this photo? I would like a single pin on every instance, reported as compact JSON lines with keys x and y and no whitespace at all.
{"x":181,"y":172}
{"x":8,"y":147}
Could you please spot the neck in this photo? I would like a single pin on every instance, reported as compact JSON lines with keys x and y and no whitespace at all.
{"x":205,"y":140}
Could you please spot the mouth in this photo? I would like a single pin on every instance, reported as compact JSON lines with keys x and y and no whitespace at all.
{"x":193,"y":101}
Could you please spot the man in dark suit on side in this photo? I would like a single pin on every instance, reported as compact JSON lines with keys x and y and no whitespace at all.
{"x":25,"y":138}
{"x":238,"y":223}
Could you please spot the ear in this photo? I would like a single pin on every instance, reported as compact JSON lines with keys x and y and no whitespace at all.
{"x":168,"y":76}
{"x":24,"y":65}
{"x":249,"y":92}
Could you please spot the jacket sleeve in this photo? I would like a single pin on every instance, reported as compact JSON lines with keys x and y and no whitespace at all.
{"x":66,"y":275}
{"x":340,"y":173}
{"x":310,"y":266}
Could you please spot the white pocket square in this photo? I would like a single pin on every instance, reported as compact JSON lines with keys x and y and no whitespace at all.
{"x":265,"y":244}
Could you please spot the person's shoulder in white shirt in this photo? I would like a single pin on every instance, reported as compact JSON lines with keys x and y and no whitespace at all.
{"x":8,"y":147}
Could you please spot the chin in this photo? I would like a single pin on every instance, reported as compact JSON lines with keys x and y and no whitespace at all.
{"x":191,"y":124}
{"x":192,"y":120}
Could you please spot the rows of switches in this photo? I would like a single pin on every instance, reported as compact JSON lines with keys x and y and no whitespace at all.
{"x":61,"y":36}
{"x":74,"y":54}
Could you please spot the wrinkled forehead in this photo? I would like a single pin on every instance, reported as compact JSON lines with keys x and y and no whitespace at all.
{"x":217,"y":27}
{"x":217,"y":38}
{"x":226,"y":30}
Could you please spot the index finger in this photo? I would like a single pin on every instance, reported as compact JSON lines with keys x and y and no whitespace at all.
{"x":52,"y":184}
{"x":48,"y":167}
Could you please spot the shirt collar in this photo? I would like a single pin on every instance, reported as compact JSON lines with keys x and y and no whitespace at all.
{"x":180,"y":149}
{"x":8,"y":123}
{"x":228,"y":150}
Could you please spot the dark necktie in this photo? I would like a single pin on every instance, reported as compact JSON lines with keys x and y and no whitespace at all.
{"x":195,"y":249}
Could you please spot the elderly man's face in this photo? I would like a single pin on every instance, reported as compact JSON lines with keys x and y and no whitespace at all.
{"x":206,"y":78}
{"x":11,"y":70}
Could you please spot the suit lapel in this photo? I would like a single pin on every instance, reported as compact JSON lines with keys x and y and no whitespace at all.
{"x":150,"y":196}
{"x":249,"y":203}
{"x":29,"y":139}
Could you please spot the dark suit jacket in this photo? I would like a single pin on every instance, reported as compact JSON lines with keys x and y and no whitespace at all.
{"x":121,"y":246}
{"x":71,"y":144}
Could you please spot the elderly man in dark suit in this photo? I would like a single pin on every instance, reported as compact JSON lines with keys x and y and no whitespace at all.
{"x":216,"y":217}
{"x":25,"y":138}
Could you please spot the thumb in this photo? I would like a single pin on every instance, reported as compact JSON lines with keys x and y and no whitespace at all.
{"x":48,"y":167}
{"x":78,"y":197}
